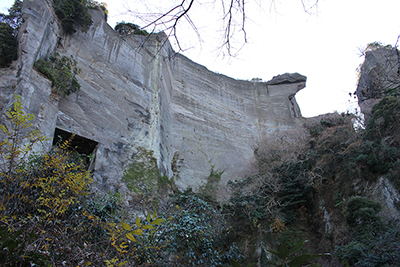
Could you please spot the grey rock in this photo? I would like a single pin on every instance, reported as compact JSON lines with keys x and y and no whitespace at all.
{"x":388,"y":196}
{"x":287,"y":78}
{"x":379,"y":76}
{"x":137,"y":92}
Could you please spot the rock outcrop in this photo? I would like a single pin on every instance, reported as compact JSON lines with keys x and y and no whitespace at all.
{"x":137,"y":92}
{"x":287,"y":78}
{"x":379,"y":76}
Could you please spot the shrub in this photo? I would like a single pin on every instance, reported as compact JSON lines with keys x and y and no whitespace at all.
{"x":295,"y":187}
{"x":35,"y":190}
{"x":47,"y":217}
{"x":125,"y":28}
{"x":252,"y":200}
{"x":287,"y":256}
{"x":61,"y":71}
{"x":73,"y":15}
{"x":142,"y":175}
{"x":372,"y":243}
{"x":276,"y":193}
{"x":195,"y":234}
{"x":209,"y":189}
{"x":363,"y":212}
{"x":385,"y":120}
{"x":381,"y":142}
{"x":372,"y":250}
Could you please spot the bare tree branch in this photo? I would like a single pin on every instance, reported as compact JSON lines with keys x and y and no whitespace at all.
{"x":307,"y":10}
{"x":234,"y":18}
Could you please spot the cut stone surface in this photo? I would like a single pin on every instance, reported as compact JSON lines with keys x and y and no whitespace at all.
{"x":137,"y":92}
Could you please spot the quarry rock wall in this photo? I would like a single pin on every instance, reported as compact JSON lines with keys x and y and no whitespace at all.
{"x":379,"y":76}
{"x":137,"y":92}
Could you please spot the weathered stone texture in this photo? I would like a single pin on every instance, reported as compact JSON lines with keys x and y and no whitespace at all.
{"x":137,"y":93}
{"x":217,"y":120}
{"x":380,"y":74}
{"x":380,"y":77}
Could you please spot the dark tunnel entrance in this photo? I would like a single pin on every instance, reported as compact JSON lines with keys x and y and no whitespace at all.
{"x":85,"y":147}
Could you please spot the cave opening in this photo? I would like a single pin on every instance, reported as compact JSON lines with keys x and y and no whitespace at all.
{"x":84,"y":146}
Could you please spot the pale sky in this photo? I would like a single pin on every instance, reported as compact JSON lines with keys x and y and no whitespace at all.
{"x":322,"y":45}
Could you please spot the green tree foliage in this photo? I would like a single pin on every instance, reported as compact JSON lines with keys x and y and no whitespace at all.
{"x":209,"y":189}
{"x":339,"y":162}
{"x":234,"y":263}
{"x":385,"y":120}
{"x":125,"y":28}
{"x":8,"y":45}
{"x":14,"y":16}
{"x":248,"y":207}
{"x":143,"y":176}
{"x":61,"y":71}
{"x":9,"y":25}
{"x":196,"y":234}
{"x":73,"y":15}
{"x":131,"y":241}
{"x":295,"y":187}
{"x":381,"y":144}
{"x":44,"y":200}
{"x":363,"y":212}
{"x":373,"y":243}
{"x":48,"y":216}
{"x":277,"y":192}
{"x":36,"y":190}
{"x":13,"y":151}
{"x":193,"y":233}
{"x":347,"y":157}
{"x":291,"y":258}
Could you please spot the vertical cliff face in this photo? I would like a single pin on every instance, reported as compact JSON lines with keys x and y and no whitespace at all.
{"x":37,"y":38}
{"x":216,"y":120}
{"x":120,"y":104}
{"x":137,"y":92}
{"x":379,"y":76}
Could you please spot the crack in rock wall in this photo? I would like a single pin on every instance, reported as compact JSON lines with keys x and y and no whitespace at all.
{"x":137,"y":92}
